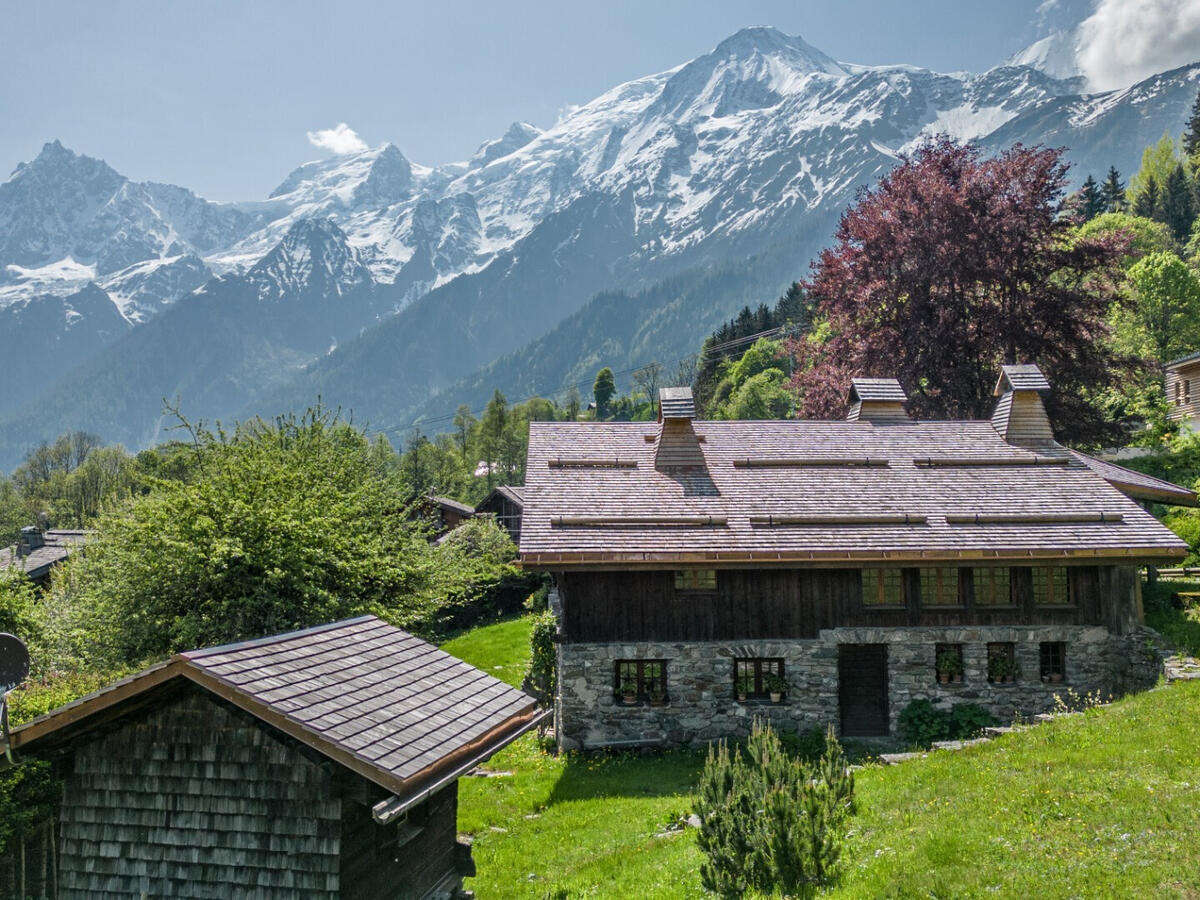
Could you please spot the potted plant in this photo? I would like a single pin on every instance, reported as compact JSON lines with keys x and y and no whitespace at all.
{"x":997,"y":669}
{"x":745,"y":684}
{"x":1056,"y":677}
{"x":949,"y":666}
{"x":775,"y":686}
{"x":628,"y":692}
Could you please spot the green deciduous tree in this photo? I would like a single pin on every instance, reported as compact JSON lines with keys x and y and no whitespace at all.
{"x":603,"y":389}
{"x":1165,"y":316}
{"x":1158,"y":160}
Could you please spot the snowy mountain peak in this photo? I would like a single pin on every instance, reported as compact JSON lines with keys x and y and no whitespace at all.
{"x":752,"y":69}
{"x":1055,"y":55}
{"x":518,"y":135}
{"x":378,"y":176}
{"x":314,"y":257}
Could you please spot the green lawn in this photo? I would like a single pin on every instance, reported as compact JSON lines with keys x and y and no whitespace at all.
{"x":1105,"y":804}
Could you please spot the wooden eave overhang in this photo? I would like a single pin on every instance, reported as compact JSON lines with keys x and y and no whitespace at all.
{"x":69,"y":722}
{"x":566,"y":560}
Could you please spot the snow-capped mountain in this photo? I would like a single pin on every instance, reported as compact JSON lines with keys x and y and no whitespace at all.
{"x":749,"y":150}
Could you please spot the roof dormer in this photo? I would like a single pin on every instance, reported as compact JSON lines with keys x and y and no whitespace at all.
{"x":1020,"y":414}
{"x":878,"y":400}
{"x":676,"y":445}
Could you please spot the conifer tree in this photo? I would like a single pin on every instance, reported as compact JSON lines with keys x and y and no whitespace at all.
{"x":1177,"y":208}
{"x":1112,"y":192}
{"x":1087,"y":203}
{"x":1191,"y":133}
{"x":1146,"y":204}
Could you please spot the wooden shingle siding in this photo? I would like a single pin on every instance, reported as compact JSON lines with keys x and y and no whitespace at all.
{"x":750,"y":604}
{"x":193,"y":794}
{"x":1021,"y":419}
{"x":1183,"y":390}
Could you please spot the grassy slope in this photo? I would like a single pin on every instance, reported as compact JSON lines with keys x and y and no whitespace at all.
{"x":1097,"y":805}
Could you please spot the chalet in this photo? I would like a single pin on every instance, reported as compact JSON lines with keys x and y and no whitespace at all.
{"x":445,"y":513}
{"x":321,"y":763}
{"x":815,"y":572}
{"x":505,"y":503}
{"x":36,"y":552}
{"x":1183,"y":390}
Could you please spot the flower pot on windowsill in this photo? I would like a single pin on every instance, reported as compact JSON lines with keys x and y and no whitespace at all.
{"x":776,"y":698}
{"x":629,"y":699}
{"x":1056,"y":677}
{"x":956,"y":678}
{"x":943,"y":677}
{"x":741,"y":696}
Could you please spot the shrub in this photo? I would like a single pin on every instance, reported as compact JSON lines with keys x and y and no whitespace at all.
{"x":769,"y":821}
{"x":542,"y":657}
{"x":921,"y":723}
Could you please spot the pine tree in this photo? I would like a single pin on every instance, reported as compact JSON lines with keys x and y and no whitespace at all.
{"x":1177,"y":208}
{"x":1088,"y":204}
{"x":1191,"y":134}
{"x":1146,"y":204}
{"x":1112,"y":192}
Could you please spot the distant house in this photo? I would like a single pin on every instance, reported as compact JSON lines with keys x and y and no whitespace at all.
{"x":321,"y":764}
{"x":506,"y":504}
{"x":1183,"y":390}
{"x":37,"y":552}
{"x":700,"y":565}
{"x":448,"y":513}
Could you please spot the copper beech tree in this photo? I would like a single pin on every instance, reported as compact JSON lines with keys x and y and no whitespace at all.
{"x":953,"y":264}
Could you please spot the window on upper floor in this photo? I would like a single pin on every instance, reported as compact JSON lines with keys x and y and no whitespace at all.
{"x":939,"y":587}
{"x":696,"y":580}
{"x":882,"y":588}
{"x":993,"y":587}
{"x":1051,"y":586}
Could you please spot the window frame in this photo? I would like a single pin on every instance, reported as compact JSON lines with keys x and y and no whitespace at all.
{"x":879,"y":581}
{"x":987,"y":575}
{"x":1003,"y":649}
{"x":1052,"y":660}
{"x":1048,"y":579}
{"x":938,"y":650}
{"x":687,"y":581}
{"x":761,"y":666}
{"x":644,"y":682}
{"x":927,"y":574}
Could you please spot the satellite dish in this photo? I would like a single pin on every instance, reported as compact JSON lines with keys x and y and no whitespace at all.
{"x":14,"y":662}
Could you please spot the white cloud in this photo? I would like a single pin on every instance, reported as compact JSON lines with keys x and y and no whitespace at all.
{"x":1124,"y":41}
{"x":341,"y":139}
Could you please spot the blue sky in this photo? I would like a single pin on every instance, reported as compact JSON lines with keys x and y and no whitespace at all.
{"x":219,"y":96}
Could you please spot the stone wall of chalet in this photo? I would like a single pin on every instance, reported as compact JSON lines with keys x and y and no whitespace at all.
{"x":703,"y":706}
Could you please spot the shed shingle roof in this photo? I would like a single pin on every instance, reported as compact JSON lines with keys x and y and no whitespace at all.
{"x":59,"y":544}
{"x":879,"y":390}
{"x":1138,"y":484}
{"x":1022,"y":377}
{"x":974,"y":472}
{"x":372,"y":697}
{"x":676,"y":403}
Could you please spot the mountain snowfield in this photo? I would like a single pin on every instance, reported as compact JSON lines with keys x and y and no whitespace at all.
{"x":427,"y":274}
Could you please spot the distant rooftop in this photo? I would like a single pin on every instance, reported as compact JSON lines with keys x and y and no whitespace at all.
{"x":37,"y":552}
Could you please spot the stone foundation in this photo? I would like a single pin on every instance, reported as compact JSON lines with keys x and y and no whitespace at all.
{"x":702,"y":704}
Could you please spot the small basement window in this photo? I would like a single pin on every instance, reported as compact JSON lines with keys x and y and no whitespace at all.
{"x":1002,"y":663}
{"x":882,"y":588}
{"x":1054,"y":660}
{"x":1051,"y":586}
{"x":948,"y":663}
{"x":753,"y":677}
{"x":993,"y":587}
{"x":696,"y":580}
{"x":640,"y":681}
{"x":939,"y":587}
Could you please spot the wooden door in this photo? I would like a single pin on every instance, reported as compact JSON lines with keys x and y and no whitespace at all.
{"x":863,"y":689}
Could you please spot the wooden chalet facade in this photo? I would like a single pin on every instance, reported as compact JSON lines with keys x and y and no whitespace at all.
{"x":321,"y":764}
{"x":1183,"y":390}
{"x":696,"y":562}
{"x":505,"y":503}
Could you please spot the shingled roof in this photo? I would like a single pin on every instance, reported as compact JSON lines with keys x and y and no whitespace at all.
{"x":809,"y":492}
{"x":384,"y":704}
{"x":1138,"y":485}
{"x":56,"y":546}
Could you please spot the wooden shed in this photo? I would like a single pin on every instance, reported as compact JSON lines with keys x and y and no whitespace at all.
{"x":506,"y":502}
{"x":321,"y":764}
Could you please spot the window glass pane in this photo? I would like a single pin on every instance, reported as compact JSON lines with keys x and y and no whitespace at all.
{"x":1051,"y":586}
{"x":939,"y":587}
{"x":696,"y":580}
{"x":993,"y":587}
{"x":751,"y":675}
{"x":882,"y":587}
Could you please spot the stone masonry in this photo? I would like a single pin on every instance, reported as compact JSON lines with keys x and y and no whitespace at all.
{"x":703,"y":706}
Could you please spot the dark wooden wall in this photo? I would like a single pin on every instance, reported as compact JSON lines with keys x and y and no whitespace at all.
{"x":797,"y":603}
{"x":402,"y":860}
{"x":191,"y":798}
